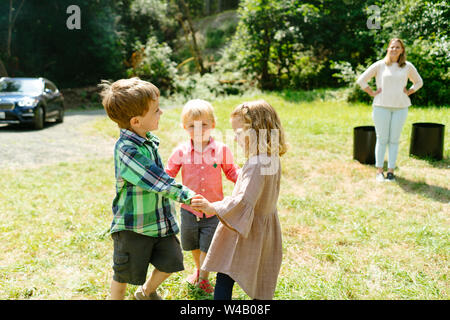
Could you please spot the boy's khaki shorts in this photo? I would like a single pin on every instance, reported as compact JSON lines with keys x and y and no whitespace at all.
{"x":133,"y":253}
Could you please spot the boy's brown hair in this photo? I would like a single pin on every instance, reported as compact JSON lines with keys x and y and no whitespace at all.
{"x":127,"y":98}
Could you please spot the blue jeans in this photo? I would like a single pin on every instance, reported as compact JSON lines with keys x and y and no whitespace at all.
{"x":388,"y":127}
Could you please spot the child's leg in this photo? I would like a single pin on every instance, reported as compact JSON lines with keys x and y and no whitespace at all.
{"x":207,"y":230}
{"x":154,"y":281}
{"x":189,"y":240}
{"x":197,"y":258}
{"x":118,"y":290}
{"x":203,"y":274}
{"x":224,"y":287}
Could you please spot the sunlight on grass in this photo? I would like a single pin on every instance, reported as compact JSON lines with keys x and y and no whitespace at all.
{"x":344,"y":235}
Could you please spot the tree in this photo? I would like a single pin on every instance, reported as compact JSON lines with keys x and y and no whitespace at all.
{"x":11,"y":21}
{"x":183,"y":16}
{"x":3,"y":72}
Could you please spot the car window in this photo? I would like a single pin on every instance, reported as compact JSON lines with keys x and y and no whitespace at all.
{"x":32,"y":86}
{"x":50,"y":87}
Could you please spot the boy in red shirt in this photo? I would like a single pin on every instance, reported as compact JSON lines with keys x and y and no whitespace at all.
{"x":201,"y":160}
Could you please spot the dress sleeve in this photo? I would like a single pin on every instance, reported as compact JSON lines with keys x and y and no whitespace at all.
{"x":415,"y":78}
{"x":237,"y":212}
{"x":364,"y":78}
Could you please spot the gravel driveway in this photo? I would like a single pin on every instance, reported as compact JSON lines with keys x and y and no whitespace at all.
{"x":23,"y":147}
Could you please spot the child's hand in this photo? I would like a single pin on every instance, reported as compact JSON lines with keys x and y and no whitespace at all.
{"x":199,"y":203}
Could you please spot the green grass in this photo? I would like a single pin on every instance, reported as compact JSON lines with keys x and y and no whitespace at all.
{"x":344,"y":235}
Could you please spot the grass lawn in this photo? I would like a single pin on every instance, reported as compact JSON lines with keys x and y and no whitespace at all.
{"x":344,"y":235}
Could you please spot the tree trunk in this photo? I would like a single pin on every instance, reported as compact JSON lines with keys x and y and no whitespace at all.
{"x":3,"y":72}
{"x":196,"y":50}
{"x":8,"y":43}
{"x":11,"y":21}
{"x":208,"y":7}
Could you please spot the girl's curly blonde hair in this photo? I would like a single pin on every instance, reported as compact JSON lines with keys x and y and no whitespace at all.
{"x":261,"y":118}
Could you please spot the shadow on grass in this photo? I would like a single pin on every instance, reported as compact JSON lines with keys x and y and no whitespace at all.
{"x":437,"y":193}
{"x":442,"y":164}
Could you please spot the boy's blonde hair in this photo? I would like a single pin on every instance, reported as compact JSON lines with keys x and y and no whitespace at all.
{"x":127,"y":98}
{"x":261,"y":117}
{"x":196,"y":109}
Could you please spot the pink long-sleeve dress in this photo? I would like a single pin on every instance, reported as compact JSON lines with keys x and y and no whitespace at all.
{"x":247,"y":244}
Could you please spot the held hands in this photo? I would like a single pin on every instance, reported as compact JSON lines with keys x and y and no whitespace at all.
{"x":199,"y":203}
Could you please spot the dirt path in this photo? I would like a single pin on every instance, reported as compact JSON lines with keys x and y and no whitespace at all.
{"x":23,"y":147}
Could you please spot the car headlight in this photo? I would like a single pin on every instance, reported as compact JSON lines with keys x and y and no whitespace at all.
{"x":28,"y":102}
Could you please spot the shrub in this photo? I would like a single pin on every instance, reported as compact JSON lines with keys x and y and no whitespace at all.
{"x":152,"y":63}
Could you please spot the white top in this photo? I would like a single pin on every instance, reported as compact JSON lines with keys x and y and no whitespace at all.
{"x":392,"y":80}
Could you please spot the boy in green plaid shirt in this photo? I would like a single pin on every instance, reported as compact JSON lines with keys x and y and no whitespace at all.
{"x":143,"y":227}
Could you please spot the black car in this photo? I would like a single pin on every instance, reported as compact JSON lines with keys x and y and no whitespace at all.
{"x":30,"y":101}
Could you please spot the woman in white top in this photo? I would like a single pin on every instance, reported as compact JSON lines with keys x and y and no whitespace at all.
{"x":391,"y":101}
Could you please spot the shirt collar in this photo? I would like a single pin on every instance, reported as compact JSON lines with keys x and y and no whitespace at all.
{"x":130,"y":135}
{"x":211,"y":144}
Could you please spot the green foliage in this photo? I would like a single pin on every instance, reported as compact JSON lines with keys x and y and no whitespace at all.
{"x":431,"y":58}
{"x":289,"y":43}
{"x":154,"y":64}
{"x":43,"y":46}
{"x":209,"y":86}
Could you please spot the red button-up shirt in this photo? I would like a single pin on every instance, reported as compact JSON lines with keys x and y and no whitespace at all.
{"x":202,"y":171}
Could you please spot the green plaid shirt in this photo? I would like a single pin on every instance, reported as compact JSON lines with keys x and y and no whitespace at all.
{"x":143,"y":189}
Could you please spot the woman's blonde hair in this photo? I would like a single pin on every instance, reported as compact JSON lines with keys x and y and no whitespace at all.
{"x":401,"y":59}
{"x":195,"y":109}
{"x":260,"y":117}
{"x":127,"y":98}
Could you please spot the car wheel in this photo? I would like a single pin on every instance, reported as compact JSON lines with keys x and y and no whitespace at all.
{"x":60,"y":117}
{"x":39,"y":118}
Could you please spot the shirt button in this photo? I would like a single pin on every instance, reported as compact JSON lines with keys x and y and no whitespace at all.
{"x":203,"y":179}
{"x":203,"y":190}
{"x":202,"y":167}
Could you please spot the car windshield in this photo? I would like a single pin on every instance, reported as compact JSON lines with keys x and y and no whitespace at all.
{"x":21,"y":85}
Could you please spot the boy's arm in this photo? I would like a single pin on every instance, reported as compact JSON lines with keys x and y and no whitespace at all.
{"x":230,"y":169}
{"x":174,"y":163}
{"x":143,"y":172}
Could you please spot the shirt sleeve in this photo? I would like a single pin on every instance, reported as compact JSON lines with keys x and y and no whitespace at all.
{"x":143,"y":172}
{"x":237,"y":212}
{"x":230,"y":169}
{"x":415,"y":78}
{"x":174,"y":163}
{"x":364,"y":78}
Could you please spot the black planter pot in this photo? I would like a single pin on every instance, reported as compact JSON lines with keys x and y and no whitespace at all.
{"x":427,"y":140}
{"x":364,"y":140}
